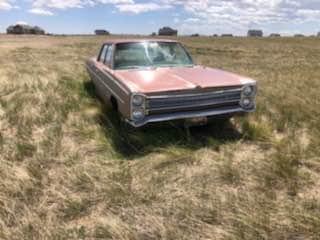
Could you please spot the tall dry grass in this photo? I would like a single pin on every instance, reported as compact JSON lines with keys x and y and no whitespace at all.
{"x":69,"y":170}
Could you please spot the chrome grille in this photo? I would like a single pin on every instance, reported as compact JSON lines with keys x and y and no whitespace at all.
{"x":190,"y":102}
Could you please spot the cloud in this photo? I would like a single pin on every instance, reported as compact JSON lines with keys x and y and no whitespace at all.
{"x":21,"y":23}
{"x":137,"y":8}
{"x":6,"y":5}
{"x":45,"y":7}
{"x":115,"y":1}
{"x":203,"y":16}
{"x":239,"y":15}
{"x":309,"y":14}
{"x":192,"y":20}
{"x":59,"y":4}
{"x":40,"y":11}
{"x":65,"y":4}
{"x":129,"y":6}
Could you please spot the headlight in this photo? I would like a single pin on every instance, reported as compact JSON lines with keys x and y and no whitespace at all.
{"x":246,"y":103}
{"x":248,"y":90}
{"x":248,"y":97}
{"x":138,"y":114}
{"x":137,"y":100}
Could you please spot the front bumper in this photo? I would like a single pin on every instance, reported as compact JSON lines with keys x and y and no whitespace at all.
{"x":187,"y":115}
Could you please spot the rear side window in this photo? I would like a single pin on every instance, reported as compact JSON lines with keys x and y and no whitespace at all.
{"x":108,"y":58}
{"x":103,"y":53}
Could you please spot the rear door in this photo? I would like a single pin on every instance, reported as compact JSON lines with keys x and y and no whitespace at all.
{"x":97,"y":74}
{"x":106,"y":84}
{"x":93,"y":64}
{"x":111,"y":85}
{"x":104,"y":65}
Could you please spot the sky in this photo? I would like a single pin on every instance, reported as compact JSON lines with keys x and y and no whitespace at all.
{"x":204,"y":17}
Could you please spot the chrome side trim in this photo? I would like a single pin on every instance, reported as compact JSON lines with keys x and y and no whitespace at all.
{"x":104,"y":84}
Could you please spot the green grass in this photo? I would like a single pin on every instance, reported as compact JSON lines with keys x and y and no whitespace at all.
{"x":70,"y":170}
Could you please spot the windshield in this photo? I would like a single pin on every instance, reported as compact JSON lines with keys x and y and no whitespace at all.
{"x":150,"y":54}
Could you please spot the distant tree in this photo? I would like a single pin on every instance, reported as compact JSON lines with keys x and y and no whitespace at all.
{"x":167,"y":31}
{"x":25,"y":29}
{"x":101,"y":32}
{"x":275,"y":35}
{"x":37,"y":30}
{"x":227,"y":35}
{"x":255,"y":33}
{"x":195,"y":35}
{"x":10,"y":29}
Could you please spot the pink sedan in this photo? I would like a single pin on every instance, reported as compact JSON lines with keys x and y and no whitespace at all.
{"x":156,"y":80}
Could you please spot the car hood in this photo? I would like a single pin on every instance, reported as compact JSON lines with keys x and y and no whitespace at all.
{"x":177,"y":78}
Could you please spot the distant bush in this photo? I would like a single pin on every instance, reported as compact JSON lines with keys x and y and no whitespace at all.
{"x":167,"y":31}
{"x":25,"y":29}
{"x":101,"y":32}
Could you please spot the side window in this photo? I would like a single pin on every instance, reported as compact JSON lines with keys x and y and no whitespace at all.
{"x":108,"y":59}
{"x":103,"y":53}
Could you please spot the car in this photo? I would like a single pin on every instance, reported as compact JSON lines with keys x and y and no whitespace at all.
{"x":156,"y":80}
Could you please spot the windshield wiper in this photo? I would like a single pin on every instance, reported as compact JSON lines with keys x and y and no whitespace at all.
{"x":154,"y":66}
{"x":176,"y":65}
{"x":133,"y":67}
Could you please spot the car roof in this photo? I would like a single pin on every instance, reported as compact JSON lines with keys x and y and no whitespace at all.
{"x":137,"y":40}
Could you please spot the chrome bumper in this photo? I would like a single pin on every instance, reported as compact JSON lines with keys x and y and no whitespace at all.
{"x":186,"y":115}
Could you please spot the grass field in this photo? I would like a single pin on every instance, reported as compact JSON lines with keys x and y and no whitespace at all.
{"x":68,"y":170}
